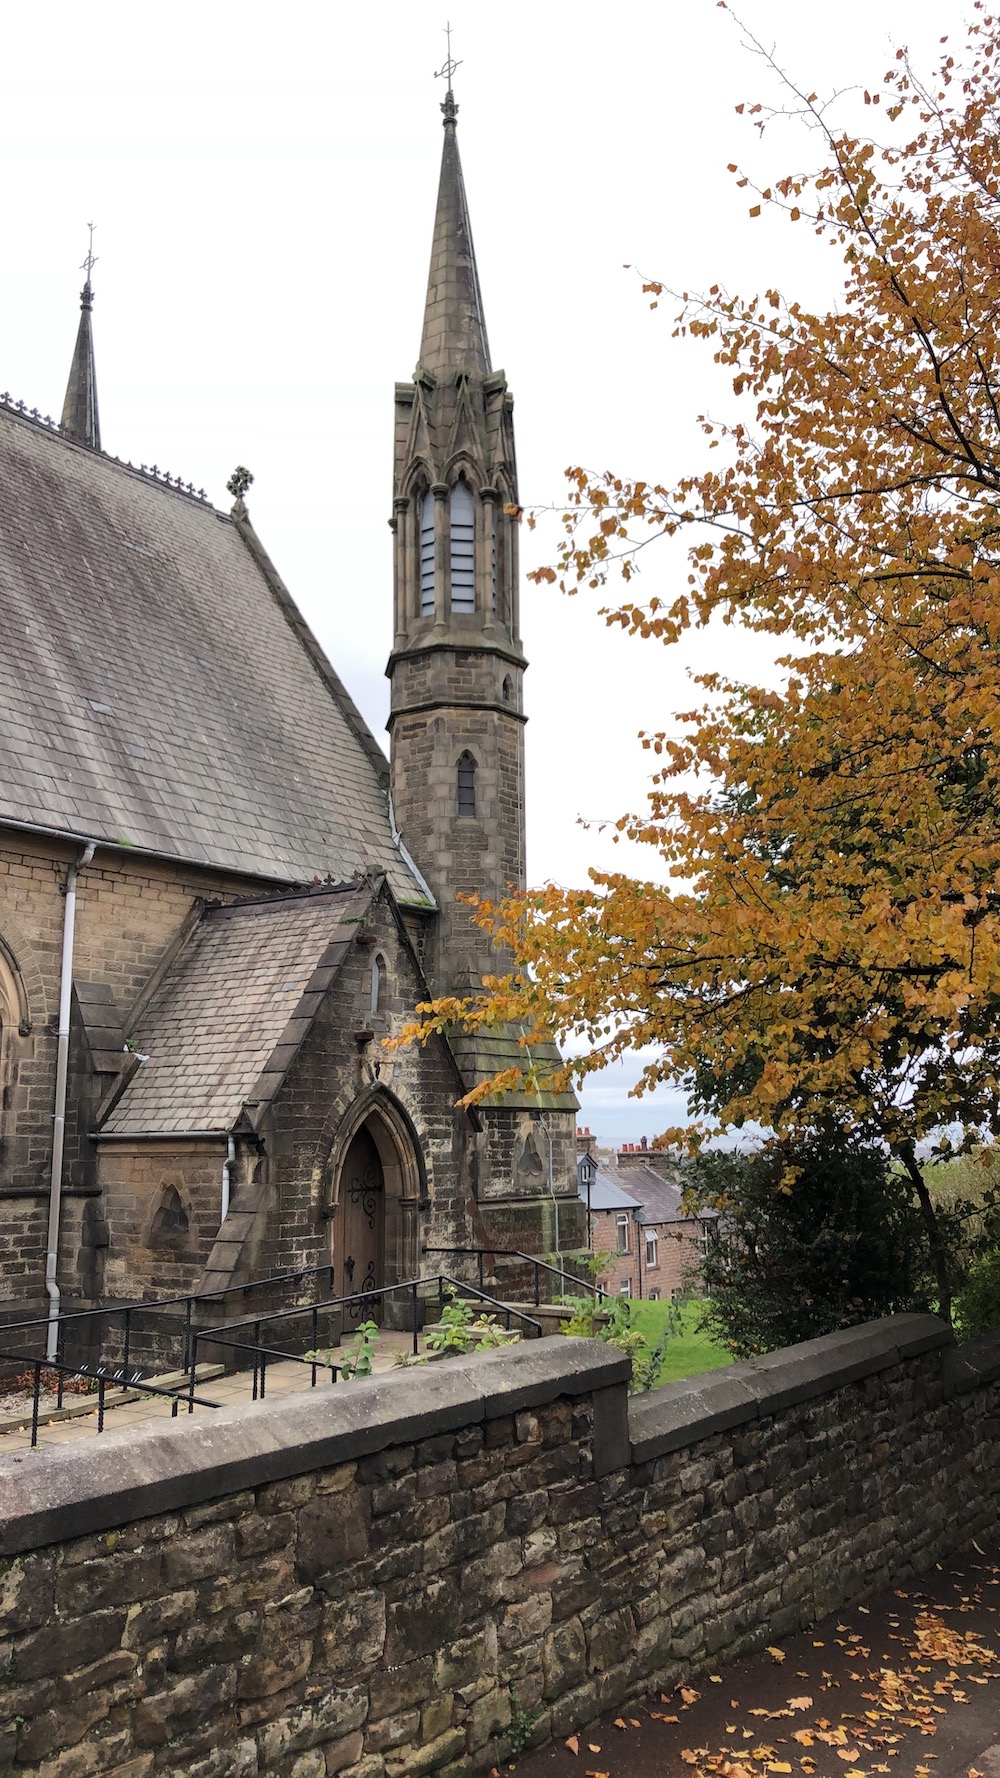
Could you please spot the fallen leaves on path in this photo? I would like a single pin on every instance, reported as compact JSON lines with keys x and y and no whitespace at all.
{"x":926,"y":1669}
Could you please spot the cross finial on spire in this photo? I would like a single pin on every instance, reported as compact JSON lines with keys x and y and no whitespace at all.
{"x":90,"y":261}
{"x":79,"y":416}
{"x":446,"y":72}
{"x":86,"y":295}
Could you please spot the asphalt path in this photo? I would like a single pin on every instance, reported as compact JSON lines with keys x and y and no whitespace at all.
{"x":907,"y":1684}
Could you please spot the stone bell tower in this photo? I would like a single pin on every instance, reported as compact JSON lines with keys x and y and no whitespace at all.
{"x":457,"y":720}
{"x":457,"y":712}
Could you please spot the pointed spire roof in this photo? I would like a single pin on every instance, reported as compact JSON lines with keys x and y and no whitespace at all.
{"x":454,"y":336}
{"x":79,"y":416}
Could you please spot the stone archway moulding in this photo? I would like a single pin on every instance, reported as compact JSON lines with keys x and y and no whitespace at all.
{"x":378,"y":1111}
{"x":17,"y":959}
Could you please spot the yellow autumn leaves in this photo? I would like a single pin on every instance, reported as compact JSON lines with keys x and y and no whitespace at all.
{"x":829,"y":947}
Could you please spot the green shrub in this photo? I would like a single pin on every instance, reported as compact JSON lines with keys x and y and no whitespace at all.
{"x":977,"y":1306}
{"x":809,"y":1239}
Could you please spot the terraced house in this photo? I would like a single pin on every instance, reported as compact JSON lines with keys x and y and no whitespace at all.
{"x":218,"y":896}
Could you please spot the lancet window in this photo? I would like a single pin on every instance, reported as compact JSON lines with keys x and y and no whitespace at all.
{"x":466,"y":787}
{"x":463,"y":548}
{"x":10,"y":1016}
{"x":378,"y":981}
{"x":427,"y":554}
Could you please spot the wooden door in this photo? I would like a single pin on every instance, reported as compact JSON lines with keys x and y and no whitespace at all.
{"x":359,"y":1231}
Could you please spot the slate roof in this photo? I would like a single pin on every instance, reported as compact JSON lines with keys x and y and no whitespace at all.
{"x":652,"y":1186}
{"x":158,"y":687}
{"x":225,"y":1022}
{"x":482,"y":1054}
{"x":605,"y":1194}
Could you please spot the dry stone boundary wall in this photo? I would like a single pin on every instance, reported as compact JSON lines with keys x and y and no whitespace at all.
{"x":363,"y":1582}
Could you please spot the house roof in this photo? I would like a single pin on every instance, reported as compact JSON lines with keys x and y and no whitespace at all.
{"x":224,"y":1024}
{"x":652,"y":1186}
{"x":159,"y":688}
{"x":604,"y":1194}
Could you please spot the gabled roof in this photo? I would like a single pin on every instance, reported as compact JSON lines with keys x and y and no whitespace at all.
{"x":653,"y":1186}
{"x":226,"y":1020}
{"x":604,"y":1194}
{"x":159,"y":688}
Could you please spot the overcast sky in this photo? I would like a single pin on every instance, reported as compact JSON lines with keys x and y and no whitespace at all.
{"x":263,"y":181}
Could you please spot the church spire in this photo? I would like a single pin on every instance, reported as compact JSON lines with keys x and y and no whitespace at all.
{"x":454,"y":336}
{"x":80,"y":419}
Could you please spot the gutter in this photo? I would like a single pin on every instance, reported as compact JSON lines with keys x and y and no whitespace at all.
{"x":59,"y":1113}
{"x":397,"y":840}
{"x":227,"y":1169}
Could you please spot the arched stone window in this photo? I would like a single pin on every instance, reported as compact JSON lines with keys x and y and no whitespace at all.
{"x":378,"y":982}
{"x":427,"y":555}
{"x":466,"y":786}
{"x":463,"y":548}
{"x":11,"y":1017}
{"x":507,"y":691}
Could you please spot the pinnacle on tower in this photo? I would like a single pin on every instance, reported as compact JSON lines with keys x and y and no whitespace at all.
{"x":80,"y":419}
{"x":454,"y":336}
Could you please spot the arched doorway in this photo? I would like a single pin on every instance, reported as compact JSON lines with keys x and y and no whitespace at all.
{"x":376,"y":1193}
{"x":359,"y":1229}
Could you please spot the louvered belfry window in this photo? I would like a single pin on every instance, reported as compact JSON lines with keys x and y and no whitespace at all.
{"x":467,"y":787}
{"x":463,"y":549}
{"x":427,"y":555}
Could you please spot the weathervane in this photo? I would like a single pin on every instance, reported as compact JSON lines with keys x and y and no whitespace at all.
{"x":449,"y":107}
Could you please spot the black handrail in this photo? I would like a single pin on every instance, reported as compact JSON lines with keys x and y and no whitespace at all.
{"x":166,"y":1302}
{"x":153,"y":1305}
{"x":530,"y":1259}
{"x":441,"y":1281}
{"x":176,"y":1393}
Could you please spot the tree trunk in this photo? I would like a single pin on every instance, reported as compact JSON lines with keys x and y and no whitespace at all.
{"x":935,"y":1241}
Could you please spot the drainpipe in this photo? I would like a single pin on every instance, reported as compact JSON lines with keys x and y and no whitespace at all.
{"x":552,"y":1186}
{"x":59,"y":1116}
{"x":226,"y":1174}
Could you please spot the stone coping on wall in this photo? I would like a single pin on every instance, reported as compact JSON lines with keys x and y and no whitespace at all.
{"x":74,"y":1490}
{"x":680,"y":1414}
{"x":71,"y":1491}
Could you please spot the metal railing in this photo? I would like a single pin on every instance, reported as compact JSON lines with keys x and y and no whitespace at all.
{"x":177,"y":1393}
{"x":120,"y":1324}
{"x":419,"y":1290}
{"x":123,"y":1317}
{"x":481,"y":1254}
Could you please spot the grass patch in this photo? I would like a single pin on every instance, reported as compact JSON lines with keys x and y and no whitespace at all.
{"x":688,"y":1353}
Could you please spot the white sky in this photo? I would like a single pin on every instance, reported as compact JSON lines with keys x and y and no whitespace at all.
{"x":263,"y":181}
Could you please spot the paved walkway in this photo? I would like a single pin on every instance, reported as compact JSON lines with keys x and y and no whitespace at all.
{"x":907,"y":1685}
{"x":234,"y":1390}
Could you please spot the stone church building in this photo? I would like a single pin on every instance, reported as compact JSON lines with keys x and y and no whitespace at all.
{"x":217,"y":896}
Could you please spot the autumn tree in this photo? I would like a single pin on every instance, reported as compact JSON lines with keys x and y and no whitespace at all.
{"x":829,"y":944}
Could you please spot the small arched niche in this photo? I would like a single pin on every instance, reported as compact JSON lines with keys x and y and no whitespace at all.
{"x":171,"y":1224}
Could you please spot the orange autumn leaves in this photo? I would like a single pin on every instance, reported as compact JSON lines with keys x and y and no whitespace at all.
{"x":830,"y":941}
{"x":865,"y":1719}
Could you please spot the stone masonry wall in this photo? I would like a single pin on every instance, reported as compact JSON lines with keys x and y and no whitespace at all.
{"x":364,"y":1583}
{"x":129,"y":910}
